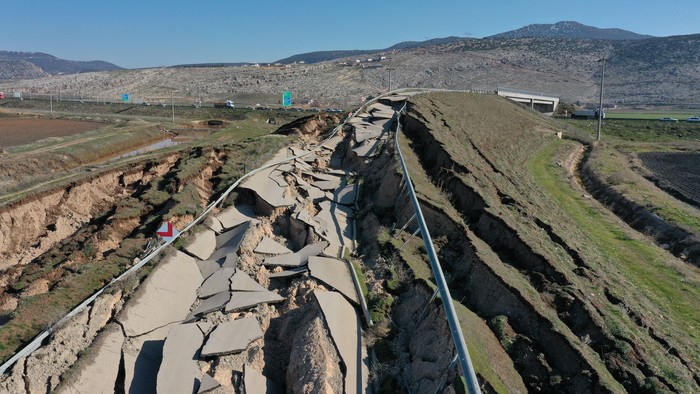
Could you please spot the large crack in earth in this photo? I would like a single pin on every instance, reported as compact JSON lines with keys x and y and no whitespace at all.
{"x":582,"y":316}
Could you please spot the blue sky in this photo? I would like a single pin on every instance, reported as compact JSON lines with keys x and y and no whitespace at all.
{"x":155,"y":33}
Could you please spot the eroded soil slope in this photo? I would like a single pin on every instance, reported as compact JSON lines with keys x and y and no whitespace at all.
{"x":60,"y":246}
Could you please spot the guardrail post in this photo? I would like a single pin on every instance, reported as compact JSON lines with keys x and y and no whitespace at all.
{"x":425,"y":309}
{"x":405,"y":225}
{"x":409,"y":238}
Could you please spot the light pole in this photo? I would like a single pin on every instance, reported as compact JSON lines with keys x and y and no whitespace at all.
{"x":600,"y":103}
{"x":389,"y":69}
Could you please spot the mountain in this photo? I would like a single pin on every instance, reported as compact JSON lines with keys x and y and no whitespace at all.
{"x":18,"y":65}
{"x":426,"y":43}
{"x":20,"y":69}
{"x":569,"y":29}
{"x":324,"y":56}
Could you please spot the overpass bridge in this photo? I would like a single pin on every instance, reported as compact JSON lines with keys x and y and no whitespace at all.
{"x":542,"y":102}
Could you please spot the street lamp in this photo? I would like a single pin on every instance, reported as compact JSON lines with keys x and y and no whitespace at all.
{"x":600,"y":103}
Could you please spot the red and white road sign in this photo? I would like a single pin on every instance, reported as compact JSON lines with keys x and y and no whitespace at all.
{"x":167,"y":231}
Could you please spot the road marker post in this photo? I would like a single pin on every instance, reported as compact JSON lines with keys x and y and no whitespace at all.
{"x":168,"y":232}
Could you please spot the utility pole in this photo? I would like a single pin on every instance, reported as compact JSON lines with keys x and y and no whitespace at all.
{"x":600,"y":103}
{"x":172,"y":103}
{"x":389,"y":69}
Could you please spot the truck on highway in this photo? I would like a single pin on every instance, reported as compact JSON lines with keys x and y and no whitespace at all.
{"x":586,"y":114}
{"x":227,"y":104}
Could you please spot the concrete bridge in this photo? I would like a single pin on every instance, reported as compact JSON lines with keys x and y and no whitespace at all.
{"x":541,"y":102}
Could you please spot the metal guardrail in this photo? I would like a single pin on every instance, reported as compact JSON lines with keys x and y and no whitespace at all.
{"x":453,"y":321}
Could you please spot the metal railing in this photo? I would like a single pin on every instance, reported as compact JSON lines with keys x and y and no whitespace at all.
{"x":448,"y":306}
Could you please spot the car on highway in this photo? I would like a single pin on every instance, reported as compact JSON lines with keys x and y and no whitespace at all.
{"x":667,"y":119}
{"x":693,"y":119}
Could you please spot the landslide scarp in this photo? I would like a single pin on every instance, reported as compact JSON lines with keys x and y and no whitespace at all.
{"x":516,"y":259}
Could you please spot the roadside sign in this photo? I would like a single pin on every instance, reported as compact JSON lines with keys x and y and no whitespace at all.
{"x":125,"y":97}
{"x":286,"y":98}
{"x":168,"y":232}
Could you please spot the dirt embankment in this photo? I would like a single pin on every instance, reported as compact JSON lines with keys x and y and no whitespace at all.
{"x":553,"y":328}
{"x":678,"y":241}
{"x":309,"y":128}
{"x":32,"y":226}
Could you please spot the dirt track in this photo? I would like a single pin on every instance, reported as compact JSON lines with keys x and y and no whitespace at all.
{"x":18,"y":131}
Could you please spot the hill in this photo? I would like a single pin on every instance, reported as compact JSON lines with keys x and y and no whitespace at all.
{"x":323,"y":56}
{"x":649,"y":71}
{"x":20,"y":65}
{"x":569,"y":29}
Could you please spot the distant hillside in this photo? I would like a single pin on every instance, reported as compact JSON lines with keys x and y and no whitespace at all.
{"x":20,"y":65}
{"x":211,"y":65}
{"x":20,"y":69}
{"x":569,"y":29}
{"x":557,"y":30}
{"x":324,"y":56}
{"x":427,"y":43}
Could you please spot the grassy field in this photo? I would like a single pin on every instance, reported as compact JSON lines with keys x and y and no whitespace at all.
{"x":629,"y":130}
{"x":152,"y":112}
{"x":614,"y":161}
{"x":680,"y":115}
{"x":671,"y":288}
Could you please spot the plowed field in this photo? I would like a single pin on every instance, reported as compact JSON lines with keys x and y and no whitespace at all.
{"x":679,"y":171}
{"x":18,"y":131}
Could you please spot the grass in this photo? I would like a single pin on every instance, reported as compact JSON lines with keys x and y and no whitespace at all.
{"x":360,"y":278}
{"x":617,"y":130}
{"x":681,"y":116}
{"x":629,"y":262}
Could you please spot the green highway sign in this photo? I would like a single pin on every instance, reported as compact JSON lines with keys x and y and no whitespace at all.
{"x":287,"y":99}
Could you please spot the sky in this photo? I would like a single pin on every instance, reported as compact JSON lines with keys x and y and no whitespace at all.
{"x":153,"y":33}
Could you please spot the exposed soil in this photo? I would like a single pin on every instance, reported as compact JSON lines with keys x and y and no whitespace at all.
{"x":19,"y":131}
{"x":678,"y":173}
